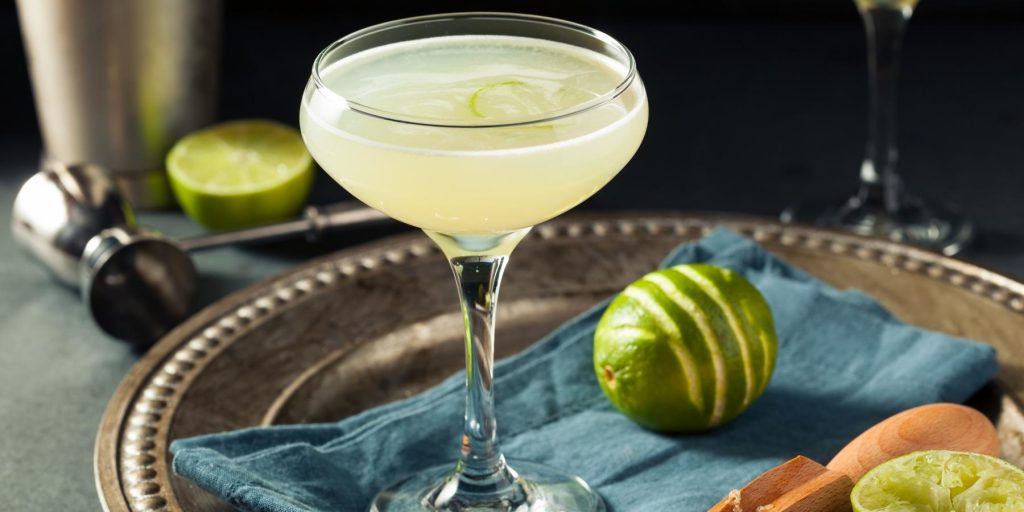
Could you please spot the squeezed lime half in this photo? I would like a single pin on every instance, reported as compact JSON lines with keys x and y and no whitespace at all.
{"x":941,"y":481}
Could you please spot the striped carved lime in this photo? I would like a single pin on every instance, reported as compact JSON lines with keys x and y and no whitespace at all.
{"x":685,"y":349}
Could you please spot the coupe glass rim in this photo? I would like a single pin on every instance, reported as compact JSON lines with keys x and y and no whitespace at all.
{"x":385,"y":115}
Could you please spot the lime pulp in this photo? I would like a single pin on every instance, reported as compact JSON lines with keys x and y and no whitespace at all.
{"x":941,"y":481}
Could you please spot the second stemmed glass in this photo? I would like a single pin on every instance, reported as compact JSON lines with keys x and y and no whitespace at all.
{"x":881,"y":206}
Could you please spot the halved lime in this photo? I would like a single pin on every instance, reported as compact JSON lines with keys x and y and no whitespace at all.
{"x":240,"y":173}
{"x":941,"y":481}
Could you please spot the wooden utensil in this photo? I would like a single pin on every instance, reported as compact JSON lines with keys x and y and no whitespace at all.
{"x":802,"y":485}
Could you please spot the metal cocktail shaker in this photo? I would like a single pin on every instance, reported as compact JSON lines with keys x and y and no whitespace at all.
{"x":117,"y":82}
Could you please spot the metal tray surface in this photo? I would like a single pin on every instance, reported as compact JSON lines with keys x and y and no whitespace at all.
{"x":379,"y":322}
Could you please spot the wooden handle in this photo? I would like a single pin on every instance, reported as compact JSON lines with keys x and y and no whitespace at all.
{"x":827,"y":492}
{"x":929,"y":427}
{"x":799,"y":485}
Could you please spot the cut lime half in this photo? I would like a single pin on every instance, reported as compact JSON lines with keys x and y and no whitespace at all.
{"x":941,"y":481}
{"x":240,"y":173}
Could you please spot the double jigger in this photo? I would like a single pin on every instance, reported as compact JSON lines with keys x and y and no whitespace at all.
{"x":136,"y":283}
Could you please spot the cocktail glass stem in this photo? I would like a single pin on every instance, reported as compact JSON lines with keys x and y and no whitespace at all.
{"x":881,"y":205}
{"x":482,"y":476}
{"x":880,"y":182}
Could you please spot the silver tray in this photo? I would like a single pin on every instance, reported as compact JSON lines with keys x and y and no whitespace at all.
{"x":379,"y":322}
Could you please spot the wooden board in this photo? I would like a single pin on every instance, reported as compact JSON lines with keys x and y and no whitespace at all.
{"x":379,"y":322}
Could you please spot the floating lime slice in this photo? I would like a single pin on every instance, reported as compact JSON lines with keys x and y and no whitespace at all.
{"x":941,"y":481}
{"x":510,"y":100}
{"x":240,"y":173}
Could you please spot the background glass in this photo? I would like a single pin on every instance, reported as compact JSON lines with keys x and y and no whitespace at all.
{"x":881,"y":206}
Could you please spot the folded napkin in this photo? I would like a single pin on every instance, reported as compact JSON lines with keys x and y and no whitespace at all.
{"x":844,"y":364}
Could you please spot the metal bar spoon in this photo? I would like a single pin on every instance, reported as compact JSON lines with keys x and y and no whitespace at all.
{"x":136,"y":283}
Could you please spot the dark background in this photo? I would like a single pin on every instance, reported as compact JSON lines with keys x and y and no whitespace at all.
{"x":754,"y":104}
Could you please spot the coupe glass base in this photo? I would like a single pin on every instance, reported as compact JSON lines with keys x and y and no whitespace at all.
{"x":544,"y":489}
{"x":916,"y":222}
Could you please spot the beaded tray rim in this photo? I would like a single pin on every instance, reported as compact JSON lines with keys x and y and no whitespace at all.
{"x":131,"y":465}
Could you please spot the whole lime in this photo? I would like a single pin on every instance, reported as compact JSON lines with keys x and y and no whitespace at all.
{"x":685,"y":349}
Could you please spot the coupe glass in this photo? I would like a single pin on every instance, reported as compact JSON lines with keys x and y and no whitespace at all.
{"x":476,"y":188}
{"x":881,"y":206}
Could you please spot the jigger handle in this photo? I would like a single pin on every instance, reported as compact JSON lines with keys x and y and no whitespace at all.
{"x":314,"y":222}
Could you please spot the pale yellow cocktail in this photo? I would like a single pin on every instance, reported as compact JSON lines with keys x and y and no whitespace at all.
{"x":457,"y":179}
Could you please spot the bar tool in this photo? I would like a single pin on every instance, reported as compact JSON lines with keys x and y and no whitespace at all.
{"x":136,"y":283}
{"x":117,"y":82}
{"x":59,"y":209}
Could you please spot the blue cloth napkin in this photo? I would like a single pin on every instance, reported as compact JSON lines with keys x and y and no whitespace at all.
{"x":844,"y":364}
